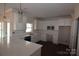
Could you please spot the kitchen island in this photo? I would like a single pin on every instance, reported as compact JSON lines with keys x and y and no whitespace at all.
{"x":19,"y":47}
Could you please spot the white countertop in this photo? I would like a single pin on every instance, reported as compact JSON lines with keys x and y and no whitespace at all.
{"x":18,"y":47}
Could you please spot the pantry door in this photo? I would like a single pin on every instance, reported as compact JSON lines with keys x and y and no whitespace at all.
{"x":64,"y":35}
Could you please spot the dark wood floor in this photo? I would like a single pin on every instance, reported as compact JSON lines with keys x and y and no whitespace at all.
{"x":50,"y":49}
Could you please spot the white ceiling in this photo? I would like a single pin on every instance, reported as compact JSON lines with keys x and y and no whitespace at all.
{"x":44,"y":9}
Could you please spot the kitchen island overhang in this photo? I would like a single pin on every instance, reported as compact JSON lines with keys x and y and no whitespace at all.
{"x":20,"y":47}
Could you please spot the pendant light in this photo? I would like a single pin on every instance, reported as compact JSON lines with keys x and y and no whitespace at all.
{"x":20,"y":12}
{"x":4,"y":16}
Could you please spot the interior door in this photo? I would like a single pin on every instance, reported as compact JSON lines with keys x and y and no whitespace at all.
{"x":64,"y":35}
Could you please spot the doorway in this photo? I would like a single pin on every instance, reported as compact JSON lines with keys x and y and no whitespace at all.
{"x":64,"y":35}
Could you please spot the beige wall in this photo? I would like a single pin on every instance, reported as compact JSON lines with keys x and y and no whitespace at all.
{"x":76,"y":11}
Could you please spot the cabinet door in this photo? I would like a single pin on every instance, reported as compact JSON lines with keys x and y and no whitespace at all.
{"x":64,"y":35}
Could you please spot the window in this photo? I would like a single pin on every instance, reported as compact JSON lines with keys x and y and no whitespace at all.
{"x":1,"y":29}
{"x":29,"y":27}
{"x":8,"y":33}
